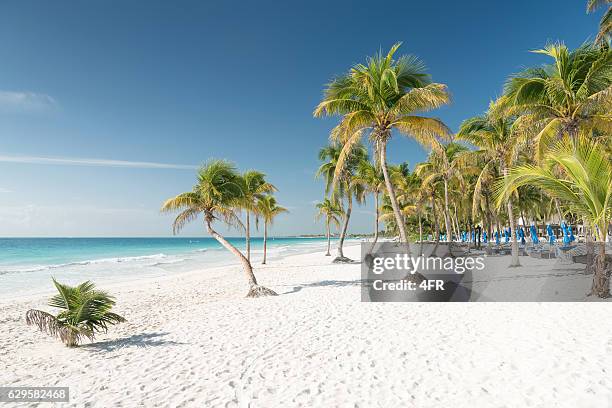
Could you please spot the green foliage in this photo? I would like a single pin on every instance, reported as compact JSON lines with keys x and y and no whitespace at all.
{"x":84,"y":312}
{"x":585,"y":184}
{"x":219,"y":192}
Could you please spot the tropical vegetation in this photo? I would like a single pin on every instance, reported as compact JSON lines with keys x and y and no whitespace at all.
{"x":539,"y":155}
{"x":219,"y":194}
{"x":85,"y":311}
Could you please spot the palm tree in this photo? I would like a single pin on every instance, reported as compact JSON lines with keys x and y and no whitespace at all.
{"x":377,"y":98}
{"x":268,"y":210}
{"x":372,"y":180}
{"x":332,"y":212}
{"x":445,"y":164}
{"x":497,"y":147}
{"x":340,"y":185}
{"x":85,"y":311}
{"x":218,"y":195}
{"x":573,"y":95}
{"x":256,"y":187}
{"x":605,"y":25}
{"x":585,"y":187}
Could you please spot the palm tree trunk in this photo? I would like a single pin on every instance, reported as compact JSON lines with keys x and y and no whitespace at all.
{"x":347,"y":217}
{"x":376,"y":217}
{"x":248,"y":236}
{"x":436,"y":225}
{"x":254,"y":289}
{"x":449,"y":233}
{"x":399,"y":220}
{"x":511,"y":220}
{"x":328,"y":237}
{"x":265,"y":243}
{"x":558,"y":211}
{"x":420,"y":234}
{"x":601,"y":281}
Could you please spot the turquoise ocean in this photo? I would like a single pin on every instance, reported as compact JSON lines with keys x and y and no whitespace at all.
{"x":27,"y":264}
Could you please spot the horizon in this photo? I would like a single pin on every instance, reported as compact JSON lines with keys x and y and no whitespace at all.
{"x":101,"y":123}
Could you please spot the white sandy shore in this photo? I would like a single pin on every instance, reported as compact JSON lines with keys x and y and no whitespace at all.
{"x":194,"y":341}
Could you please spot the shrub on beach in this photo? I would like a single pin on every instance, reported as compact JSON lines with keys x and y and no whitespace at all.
{"x":85,"y":311}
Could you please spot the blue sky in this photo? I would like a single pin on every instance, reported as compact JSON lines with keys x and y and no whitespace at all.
{"x":101,"y":87}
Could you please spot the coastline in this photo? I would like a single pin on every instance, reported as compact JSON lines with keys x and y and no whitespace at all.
{"x":120,"y":269}
{"x":192,"y":339}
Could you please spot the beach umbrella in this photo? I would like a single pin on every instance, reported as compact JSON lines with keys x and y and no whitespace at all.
{"x":473,"y":236}
{"x":497,"y":237}
{"x":566,"y":236}
{"x":551,"y":235}
{"x":484,"y":237}
{"x":507,"y":235}
{"x":521,"y":235}
{"x":534,"y":234}
{"x":571,"y":233}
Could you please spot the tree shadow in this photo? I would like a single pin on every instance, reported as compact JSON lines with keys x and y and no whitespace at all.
{"x":137,"y":340}
{"x":325,"y":283}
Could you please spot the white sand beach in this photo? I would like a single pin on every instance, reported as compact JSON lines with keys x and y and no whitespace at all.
{"x":193,"y":340}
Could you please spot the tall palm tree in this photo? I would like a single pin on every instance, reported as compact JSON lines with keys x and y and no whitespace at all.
{"x":378,"y":97}
{"x":497,"y":147}
{"x":256,"y":187}
{"x":339,"y":183}
{"x":371,"y":178}
{"x":585,"y":187}
{"x":332,"y":211}
{"x":444,"y":163}
{"x":85,"y":311}
{"x":218,"y":195}
{"x":573,"y":95}
{"x":267,"y":209}
{"x":605,"y":25}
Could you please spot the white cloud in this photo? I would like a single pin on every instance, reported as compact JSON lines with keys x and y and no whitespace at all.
{"x":68,"y":161}
{"x":11,"y":101}
{"x":4,"y":190}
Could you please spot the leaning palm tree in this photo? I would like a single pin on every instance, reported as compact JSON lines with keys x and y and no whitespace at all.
{"x":377,"y":98}
{"x":332,"y":211}
{"x":585,"y":187}
{"x":267,"y":209}
{"x":497,"y":146}
{"x":256,"y":187}
{"x":340,"y":186}
{"x":605,"y":25}
{"x":572,"y":96}
{"x":371,"y":178}
{"x":218,"y":195}
{"x":85,"y":311}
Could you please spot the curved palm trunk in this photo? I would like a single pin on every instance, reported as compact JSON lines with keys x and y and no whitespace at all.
{"x":512,"y":221}
{"x":376,"y":218}
{"x":265,"y":242}
{"x":328,"y":236}
{"x":347,"y":217}
{"x":254,"y":289}
{"x":248,"y":236}
{"x":399,"y":220}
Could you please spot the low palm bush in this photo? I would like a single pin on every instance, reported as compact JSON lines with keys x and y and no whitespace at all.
{"x":84,"y":312}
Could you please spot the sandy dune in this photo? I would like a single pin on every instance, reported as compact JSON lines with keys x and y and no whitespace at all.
{"x":194,"y":341}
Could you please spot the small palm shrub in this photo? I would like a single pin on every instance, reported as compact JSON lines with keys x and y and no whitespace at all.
{"x":85,"y":311}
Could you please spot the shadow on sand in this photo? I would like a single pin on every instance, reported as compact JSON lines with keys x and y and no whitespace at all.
{"x":330,"y":283}
{"x":136,"y":340}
